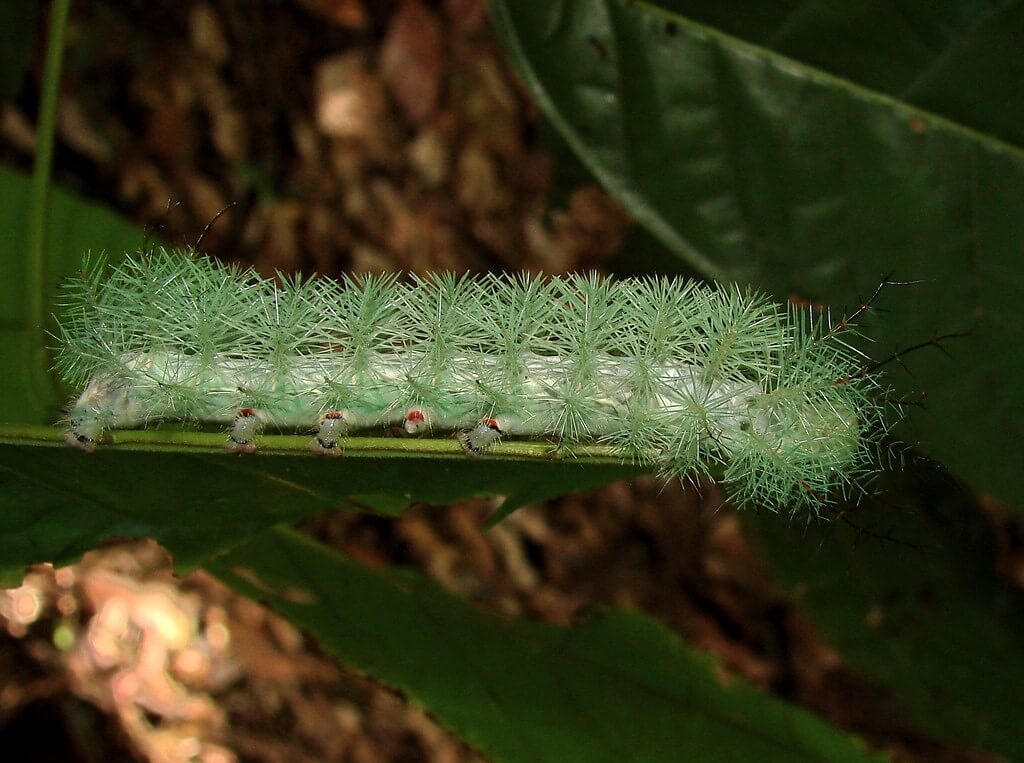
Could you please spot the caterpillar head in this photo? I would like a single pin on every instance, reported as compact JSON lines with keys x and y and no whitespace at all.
{"x":85,"y":428}
{"x":794,"y":455}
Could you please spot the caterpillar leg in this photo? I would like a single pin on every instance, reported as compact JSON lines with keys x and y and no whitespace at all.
{"x":416,"y":421}
{"x":85,"y":430}
{"x":327,"y":441}
{"x":480,"y":438}
{"x":245,"y":428}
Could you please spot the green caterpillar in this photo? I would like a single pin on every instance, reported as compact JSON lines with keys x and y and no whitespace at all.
{"x":682,"y":377}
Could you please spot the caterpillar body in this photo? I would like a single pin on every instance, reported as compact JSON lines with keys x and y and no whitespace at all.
{"x":680,"y":376}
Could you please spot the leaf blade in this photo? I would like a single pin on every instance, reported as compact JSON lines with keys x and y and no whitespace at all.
{"x":74,"y":227}
{"x":919,"y":610}
{"x":618,"y":687}
{"x":197,"y":500}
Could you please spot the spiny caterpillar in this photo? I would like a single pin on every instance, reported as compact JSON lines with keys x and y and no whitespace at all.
{"x":683,"y":377}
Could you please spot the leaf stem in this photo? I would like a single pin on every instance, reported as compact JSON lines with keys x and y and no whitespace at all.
{"x":37,"y":292}
{"x":374,"y":447}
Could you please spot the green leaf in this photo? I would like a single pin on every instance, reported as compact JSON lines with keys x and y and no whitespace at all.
{"x":950,"y":57}
{"x":75,"y":226}
{"x":17,"y":30}
{"x":618,"y":687}
{"x":760,"y":166}
{"x":197,"y":500}
{"x":919,"y":610}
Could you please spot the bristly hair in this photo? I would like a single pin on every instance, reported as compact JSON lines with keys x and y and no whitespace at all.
{"x":679,"y":376}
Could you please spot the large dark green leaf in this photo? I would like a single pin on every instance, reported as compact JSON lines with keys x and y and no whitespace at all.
{"x":761,"y":166}
{"x":75,"y":227}
{"x":919,"y":610}
{"x":618,"y":687}
{"x":196,"y":500}
{"x":957,"y":58}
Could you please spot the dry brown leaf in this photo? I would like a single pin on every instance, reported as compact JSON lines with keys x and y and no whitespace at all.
{"x":350,"y":14}
{"x":412,"y":60}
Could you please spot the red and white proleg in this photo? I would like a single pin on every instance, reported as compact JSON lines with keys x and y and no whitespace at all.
{"x":416,"y":421}
{"x":481,"y":438}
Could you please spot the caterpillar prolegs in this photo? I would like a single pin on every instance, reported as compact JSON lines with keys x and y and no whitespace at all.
{"x":680,"y":376}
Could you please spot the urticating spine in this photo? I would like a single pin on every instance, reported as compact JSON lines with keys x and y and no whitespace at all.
{"x":688,"y":378}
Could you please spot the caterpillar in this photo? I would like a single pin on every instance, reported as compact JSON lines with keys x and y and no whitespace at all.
{"x":678,"y":376}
